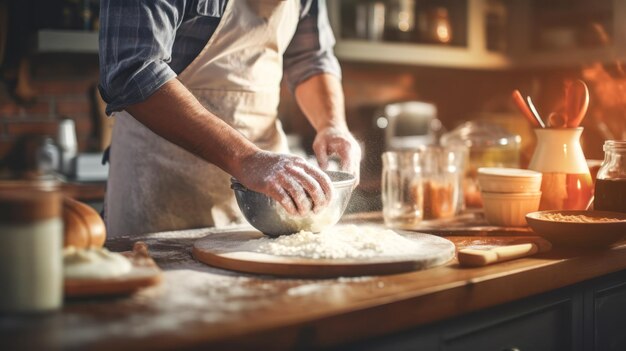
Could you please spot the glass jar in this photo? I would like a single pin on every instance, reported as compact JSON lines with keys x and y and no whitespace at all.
{"x":435,"y":25}
{"x":31,"y":244}
{"x":402,"y":196}
{"x":422,"y":184}
{"x":610,"y":189}
{"x":489,"y":146}
{"x":400,"y":20}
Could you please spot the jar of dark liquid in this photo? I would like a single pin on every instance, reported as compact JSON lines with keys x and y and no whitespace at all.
{"x":610,"y":193}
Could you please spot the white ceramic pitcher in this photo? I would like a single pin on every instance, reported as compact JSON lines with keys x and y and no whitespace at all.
{"x":566,"y":183}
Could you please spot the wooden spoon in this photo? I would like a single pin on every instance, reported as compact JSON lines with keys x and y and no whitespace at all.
{"x":521,"y":105}
{"x":557,"y":120}
{"x":480,"y":257}
{"x":580,"y":94}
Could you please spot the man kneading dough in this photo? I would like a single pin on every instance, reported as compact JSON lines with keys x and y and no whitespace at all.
{"x":194,"y":88}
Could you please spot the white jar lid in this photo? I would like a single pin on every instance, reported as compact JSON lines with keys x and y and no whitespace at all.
{"x":508,"y":172}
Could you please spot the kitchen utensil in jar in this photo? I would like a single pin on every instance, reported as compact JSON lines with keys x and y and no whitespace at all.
{"x":578,"y":103}
{"x":566,"y":183}
{"x":610,"y":187}
{"x":557,"y":120}
{"x":535,"y":113}
{"x":524,"y":109}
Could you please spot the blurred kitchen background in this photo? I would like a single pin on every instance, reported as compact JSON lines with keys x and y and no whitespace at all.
{"x":455,"y":60}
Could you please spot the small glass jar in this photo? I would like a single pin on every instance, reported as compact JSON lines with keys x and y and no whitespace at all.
{"x":402,"y":196}
{"x":489,"y":145}
{"x":31,"y":244}
{"x":421,"y":184}
{"x":610,"y":188}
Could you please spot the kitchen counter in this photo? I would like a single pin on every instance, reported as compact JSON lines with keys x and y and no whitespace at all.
{"x":200,"y":306}
{"x":84,"y":191}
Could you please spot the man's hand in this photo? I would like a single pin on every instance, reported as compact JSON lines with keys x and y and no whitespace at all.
{"x":335,"y":141}
{"x":295,"y":184}
{"x":321,"y":99}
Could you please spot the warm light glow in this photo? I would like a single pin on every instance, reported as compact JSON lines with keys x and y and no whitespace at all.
{"x":382,"y":122}
{"x":403,"y":22}
{"x":578,"y":185}
{"x":443,"y":32}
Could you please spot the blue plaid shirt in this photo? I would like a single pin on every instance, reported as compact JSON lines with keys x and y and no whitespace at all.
{"x":145,"y":43}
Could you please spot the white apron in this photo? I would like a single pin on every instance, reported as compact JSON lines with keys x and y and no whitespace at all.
{"x":155,"y":185}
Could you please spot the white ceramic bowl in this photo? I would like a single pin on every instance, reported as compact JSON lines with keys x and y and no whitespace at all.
{"x":509,"y":210}
{"x":508,"y":180}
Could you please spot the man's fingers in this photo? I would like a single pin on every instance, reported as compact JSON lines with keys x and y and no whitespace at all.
{"x":297,"y":193}
{"x":280,"y":195}
{"x":322,"y":179}
{"x":349,"y":154}
{"x":312,"y":187}
{"x":321,"y":152}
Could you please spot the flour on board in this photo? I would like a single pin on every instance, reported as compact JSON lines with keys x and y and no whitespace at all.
{"x":338,"y":242}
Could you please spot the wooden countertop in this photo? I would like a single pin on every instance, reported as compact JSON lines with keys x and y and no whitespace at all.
{"x":201,"y":306}
{"x":84,"y":191}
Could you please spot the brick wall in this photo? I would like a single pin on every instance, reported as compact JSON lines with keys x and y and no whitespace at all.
{"x":64,"y":85}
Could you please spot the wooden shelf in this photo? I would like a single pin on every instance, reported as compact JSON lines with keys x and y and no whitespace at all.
{"x":72,"y":41}
{"x":422,"y":54}
{"x":520,"y":54}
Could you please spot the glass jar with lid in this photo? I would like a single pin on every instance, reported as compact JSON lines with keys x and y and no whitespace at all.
{"x":489,"y":146}
{"x":31,"y":245}
{"x":610,"y":188}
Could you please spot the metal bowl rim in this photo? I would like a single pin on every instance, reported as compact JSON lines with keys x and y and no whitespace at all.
{"x":344,"y":183}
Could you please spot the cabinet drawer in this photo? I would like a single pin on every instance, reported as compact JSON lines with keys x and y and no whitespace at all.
{"x":609,"y":310}
{"x":549,"y":327}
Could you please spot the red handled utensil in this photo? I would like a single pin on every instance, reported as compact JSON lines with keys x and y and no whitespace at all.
{"x":580,"y":101}
{"x":569,"y":103}
{"x":521,"y":105}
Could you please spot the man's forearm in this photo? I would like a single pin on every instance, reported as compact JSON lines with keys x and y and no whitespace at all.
{"x":321,"y":99}
{"x":173,"y":113}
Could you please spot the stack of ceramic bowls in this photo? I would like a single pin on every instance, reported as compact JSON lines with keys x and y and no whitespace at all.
{"x":509,"y":194}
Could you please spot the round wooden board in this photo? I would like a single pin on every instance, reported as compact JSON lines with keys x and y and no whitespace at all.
{"x":144,"y":273}
{"x":224,"y":250}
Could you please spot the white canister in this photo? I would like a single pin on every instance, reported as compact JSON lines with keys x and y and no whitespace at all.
{"x":31,"y":245}
{"x":68,"y":146}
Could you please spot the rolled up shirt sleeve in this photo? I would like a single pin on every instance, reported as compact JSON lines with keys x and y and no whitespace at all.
{"x":311,"y":49}
{"x":136,"y":38}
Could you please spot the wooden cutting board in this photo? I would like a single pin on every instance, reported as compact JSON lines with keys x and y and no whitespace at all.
{"x":143,"y":273}
{"x":226,"y":250}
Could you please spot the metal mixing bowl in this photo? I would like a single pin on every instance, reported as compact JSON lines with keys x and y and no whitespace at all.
{"x":263,"y":213}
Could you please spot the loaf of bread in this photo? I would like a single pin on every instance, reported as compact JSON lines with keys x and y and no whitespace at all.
{"x":84,"y":227}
